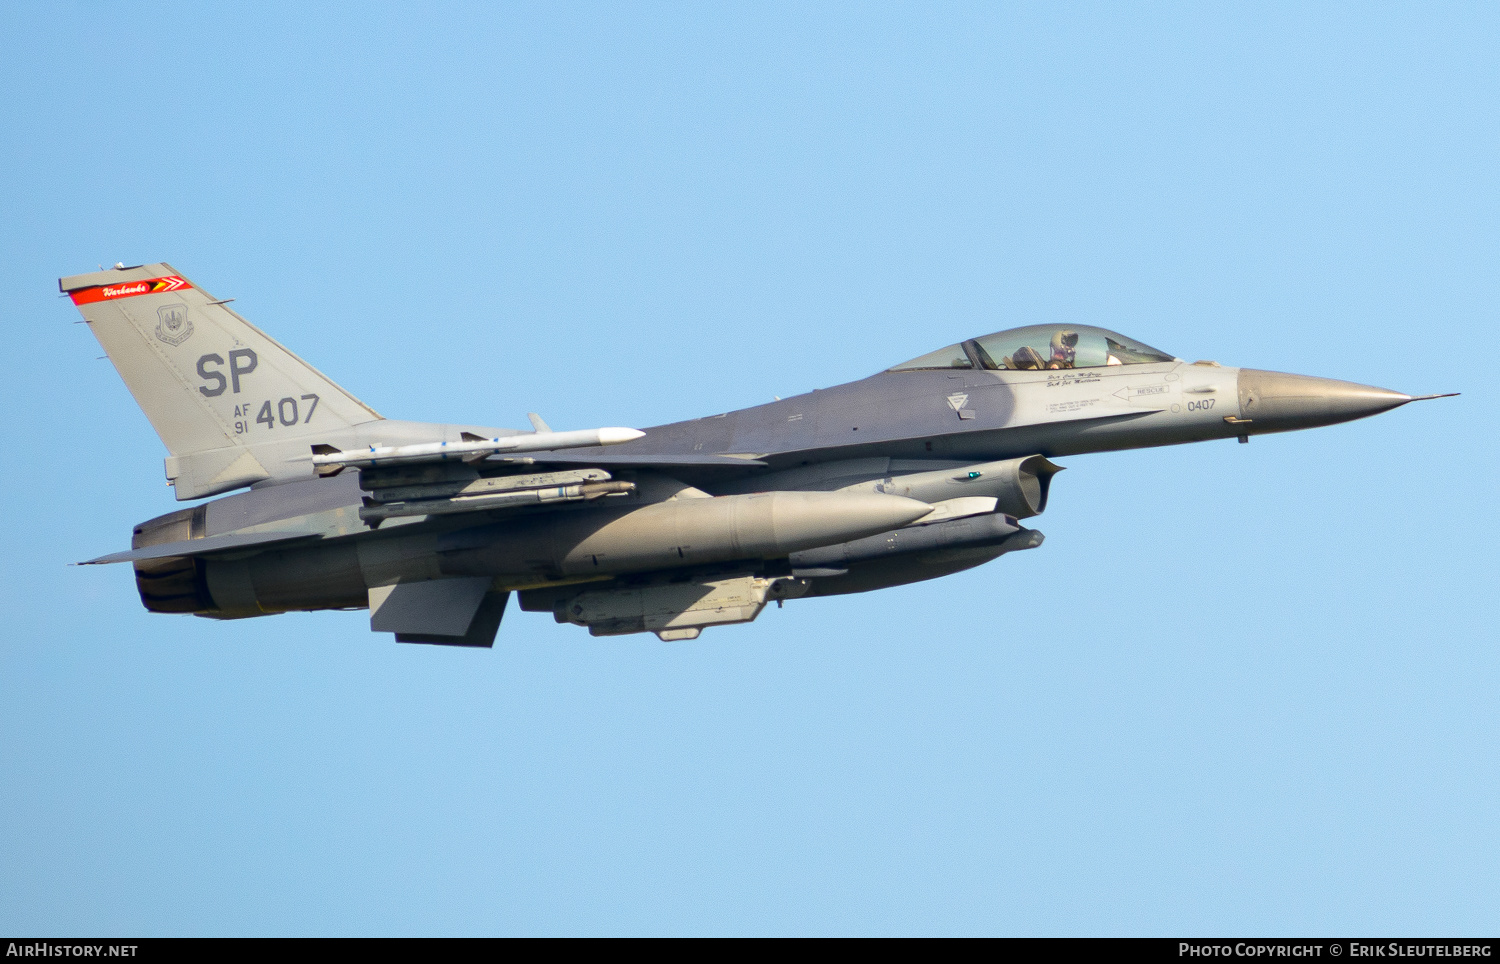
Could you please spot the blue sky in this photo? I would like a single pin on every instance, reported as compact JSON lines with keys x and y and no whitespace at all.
{"x":1241,"y":689}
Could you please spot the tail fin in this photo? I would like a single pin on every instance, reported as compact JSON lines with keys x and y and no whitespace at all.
{"x":218,"y":390}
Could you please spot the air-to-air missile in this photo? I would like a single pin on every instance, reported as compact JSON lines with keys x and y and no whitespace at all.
{"x":916,"y":472}
{"x":328,"y":460}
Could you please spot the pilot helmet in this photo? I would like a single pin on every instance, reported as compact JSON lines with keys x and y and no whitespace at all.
{"x":1027,"y":359}
{"x":1064,"y":344}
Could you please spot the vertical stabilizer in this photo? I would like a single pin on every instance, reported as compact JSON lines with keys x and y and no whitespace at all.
{"x":221,"y":394}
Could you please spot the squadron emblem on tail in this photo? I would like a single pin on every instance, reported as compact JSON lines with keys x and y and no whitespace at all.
{"x":172,"y":324}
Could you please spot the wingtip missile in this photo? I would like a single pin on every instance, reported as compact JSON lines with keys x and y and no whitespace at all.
{"x":323,"y":459}
{"x":615,"y":436}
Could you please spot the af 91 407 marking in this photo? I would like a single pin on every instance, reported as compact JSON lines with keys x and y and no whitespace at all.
{"x":286,"y":411}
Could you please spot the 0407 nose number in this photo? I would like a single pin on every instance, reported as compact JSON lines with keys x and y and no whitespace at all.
{"x":1202,"y":405}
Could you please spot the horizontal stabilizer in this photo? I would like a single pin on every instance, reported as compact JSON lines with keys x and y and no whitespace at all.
{"x":198,"y":547}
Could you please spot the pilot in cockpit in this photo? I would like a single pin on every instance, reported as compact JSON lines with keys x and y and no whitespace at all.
{"x":1064,"y":349}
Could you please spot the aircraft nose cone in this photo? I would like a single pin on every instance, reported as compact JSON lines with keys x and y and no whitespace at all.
{"x":1277,"y":402}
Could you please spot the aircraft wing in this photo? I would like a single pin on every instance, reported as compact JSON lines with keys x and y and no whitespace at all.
{"x":587,"y":446}
{"x":693,"y":460}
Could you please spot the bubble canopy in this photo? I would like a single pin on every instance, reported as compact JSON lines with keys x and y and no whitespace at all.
{"x":1040,"y":348}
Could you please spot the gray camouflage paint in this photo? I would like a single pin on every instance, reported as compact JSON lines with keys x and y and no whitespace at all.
{"x":296,"y":541}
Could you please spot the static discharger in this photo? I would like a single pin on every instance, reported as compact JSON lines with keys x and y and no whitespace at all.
{"x":328,"y":460}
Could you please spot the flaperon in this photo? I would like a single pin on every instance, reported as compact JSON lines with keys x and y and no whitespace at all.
{"x":922,"y":470}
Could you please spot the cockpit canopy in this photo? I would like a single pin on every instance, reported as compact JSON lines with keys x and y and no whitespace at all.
{"x":1040,"y":348}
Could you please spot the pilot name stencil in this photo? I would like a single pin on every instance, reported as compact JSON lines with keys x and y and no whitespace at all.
{"x":1072,"y":378}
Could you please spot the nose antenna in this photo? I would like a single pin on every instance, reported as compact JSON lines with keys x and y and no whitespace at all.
{"x":1423,"y":398}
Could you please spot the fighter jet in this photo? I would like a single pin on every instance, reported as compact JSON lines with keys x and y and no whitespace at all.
{"x":919,"y":471}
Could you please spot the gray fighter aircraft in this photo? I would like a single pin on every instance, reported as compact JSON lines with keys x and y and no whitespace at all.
{"x":919,"y":471}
